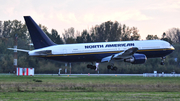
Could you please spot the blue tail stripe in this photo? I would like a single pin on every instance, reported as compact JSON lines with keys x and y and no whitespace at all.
{"x":38,"y":37}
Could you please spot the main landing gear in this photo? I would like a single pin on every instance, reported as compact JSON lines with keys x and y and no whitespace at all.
{"x":93,"y":67}
{"x":162,"y":60}
{"x":112,"y":67}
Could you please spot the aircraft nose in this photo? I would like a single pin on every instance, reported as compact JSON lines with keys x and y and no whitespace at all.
{"x":172,"y":48}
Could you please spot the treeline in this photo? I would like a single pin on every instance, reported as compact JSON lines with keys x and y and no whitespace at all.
{"x":107,"y":31}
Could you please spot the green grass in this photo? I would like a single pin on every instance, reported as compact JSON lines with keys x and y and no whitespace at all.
{"x":89,"y":88}
{"x":89,"y":83}
{"x":91,"y":96}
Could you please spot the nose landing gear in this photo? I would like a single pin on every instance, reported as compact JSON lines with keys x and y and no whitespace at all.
{"x":162,"y":60}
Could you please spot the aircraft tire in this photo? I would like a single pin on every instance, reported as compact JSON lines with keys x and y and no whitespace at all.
{"x":162,"y":63}
{"x":93,"y":67}
{"x":109,"y":67}
{"x":89,"y":66}
{"x":115,"y":68}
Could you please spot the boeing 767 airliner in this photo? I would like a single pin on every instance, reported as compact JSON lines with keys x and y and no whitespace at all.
{"x":135,"y":52}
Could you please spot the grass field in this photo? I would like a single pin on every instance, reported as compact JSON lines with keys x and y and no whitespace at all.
{"x":89,"y":88}
{"x":90,"y":96}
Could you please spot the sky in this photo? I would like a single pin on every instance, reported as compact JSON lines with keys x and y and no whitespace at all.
{"x":150,"y":16}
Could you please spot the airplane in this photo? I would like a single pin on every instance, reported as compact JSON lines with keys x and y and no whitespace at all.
{"x":135,"y":52}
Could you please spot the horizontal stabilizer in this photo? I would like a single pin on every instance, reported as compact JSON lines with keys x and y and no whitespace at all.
{"x":22,"y":50}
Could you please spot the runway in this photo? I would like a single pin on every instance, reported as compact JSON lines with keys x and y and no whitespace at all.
{"x":144,"y":75}
{"x":95,"y":74}
{"x":76,"y":75}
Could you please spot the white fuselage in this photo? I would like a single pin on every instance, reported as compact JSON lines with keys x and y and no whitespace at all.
{"x":151,"y":48}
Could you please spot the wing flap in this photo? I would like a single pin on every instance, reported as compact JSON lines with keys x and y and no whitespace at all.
{"x":107,"y":59}
{"x":127,"y":53}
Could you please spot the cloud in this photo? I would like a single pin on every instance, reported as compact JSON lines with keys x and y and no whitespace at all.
{"x":63,"y":14}
{"x":165,"y":5}
{"x":67,"y":18}
{"x":90,"y":17}
{"x":116,"y":16}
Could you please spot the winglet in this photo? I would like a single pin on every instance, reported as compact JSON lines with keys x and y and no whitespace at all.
{"x":38,"y":37}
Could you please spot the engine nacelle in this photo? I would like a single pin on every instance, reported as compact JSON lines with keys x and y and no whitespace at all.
{"x":137,"y":59}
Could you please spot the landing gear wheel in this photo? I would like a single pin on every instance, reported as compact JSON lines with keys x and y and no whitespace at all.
{"x":162,"y":63}
{"x":109,"y":67}
{"x":162,"y":60}
{"x":89,"y":66}
{"x":115,"y":68}
{"x":93,"y":67}
{"x":112,"y":67}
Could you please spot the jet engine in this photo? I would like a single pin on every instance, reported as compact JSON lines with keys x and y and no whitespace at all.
{"x":137,"y":59}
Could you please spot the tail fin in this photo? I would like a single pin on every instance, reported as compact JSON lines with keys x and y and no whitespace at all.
{"x":38,"y":37}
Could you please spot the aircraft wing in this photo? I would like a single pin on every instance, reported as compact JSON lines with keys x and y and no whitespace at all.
{"x":122,"y":55}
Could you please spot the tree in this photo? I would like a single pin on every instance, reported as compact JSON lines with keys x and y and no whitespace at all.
{"x":134,"y":34}
{"x":56,"y":37}
{"x":155,"y":37}
{"x":115,"y":32}
{"x":152,"y":37}
{"x":173,"y":34}
{"x":107,"y":31}
{"x":125,"y":33}
{"x":69,"y":36}
{"x":99,"y":33}
{"x":7,"y":28}
{"x":84,"y":38}
{"x":10,"y":28}
{"x":165,"y":38}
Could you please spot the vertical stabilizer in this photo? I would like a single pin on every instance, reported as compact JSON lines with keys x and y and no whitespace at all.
{"x":38,"y":37}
